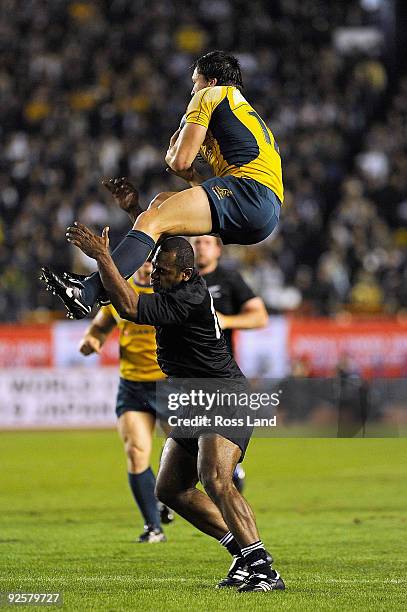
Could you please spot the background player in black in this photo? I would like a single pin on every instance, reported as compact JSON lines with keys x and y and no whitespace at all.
{"x":235,"y":303}
{"x":237,"y":307}
{"x":190,"y":344}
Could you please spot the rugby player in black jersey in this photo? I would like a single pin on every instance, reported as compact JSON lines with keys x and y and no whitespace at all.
{"x":190,"y":344}
{"x":241,"y":201}
{"x":237,"y":307}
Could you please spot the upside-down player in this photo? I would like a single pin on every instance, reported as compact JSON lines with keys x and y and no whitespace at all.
{"x":136,"y":407}
{"x":191,"y":345}
{"x":241,"y":202}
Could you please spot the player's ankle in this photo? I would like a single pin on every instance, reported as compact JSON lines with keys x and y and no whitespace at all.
{"x":231,"y":545}
{"x":256,"y":558}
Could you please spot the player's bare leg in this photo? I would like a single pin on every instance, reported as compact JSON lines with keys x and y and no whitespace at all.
{"x":176,"y":487}
{"x":166,"y":513}
{"x":160,"y":198}
{"x":217,"y":459}
{"x":136,"y":430}
{"x":186,"y":213}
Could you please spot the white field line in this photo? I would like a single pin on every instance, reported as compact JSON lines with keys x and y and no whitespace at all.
{"x":311,"y":579}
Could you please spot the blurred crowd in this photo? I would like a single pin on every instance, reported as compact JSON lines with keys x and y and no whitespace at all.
{"x":89,"y":89}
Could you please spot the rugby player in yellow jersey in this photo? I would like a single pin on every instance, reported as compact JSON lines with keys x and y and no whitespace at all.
{"x":136,"y":401}
{"x":241,"y":202}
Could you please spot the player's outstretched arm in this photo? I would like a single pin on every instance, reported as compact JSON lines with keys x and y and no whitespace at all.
{"x":122,"y":296}
{"x":252,"y":315}
{"x":97,"y":332}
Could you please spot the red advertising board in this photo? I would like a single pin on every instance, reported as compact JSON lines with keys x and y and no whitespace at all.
{"x":26,"y":346}
{"x":375,"y":348}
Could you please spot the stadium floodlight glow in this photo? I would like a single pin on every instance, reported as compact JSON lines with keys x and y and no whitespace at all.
{"x":372,"y":5}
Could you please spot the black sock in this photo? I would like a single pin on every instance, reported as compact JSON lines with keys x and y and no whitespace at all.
{"x":256,"y":558}
{"x":142,"y":486}
{"x":229,"y":542}
{"x":128,"y":256}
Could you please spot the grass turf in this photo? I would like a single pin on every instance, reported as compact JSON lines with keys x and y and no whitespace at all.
{"x":332,"y":511}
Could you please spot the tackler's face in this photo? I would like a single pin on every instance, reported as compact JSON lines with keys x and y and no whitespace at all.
{"x":166,"y":274}
{"x":200,"y":82}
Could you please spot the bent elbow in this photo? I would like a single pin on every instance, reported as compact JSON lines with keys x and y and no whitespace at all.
{"x":263,"y":319}
{"x":128,"y":311}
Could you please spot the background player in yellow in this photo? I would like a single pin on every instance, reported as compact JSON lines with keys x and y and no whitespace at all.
{"x":136,"y":401}
{"x":241,"y":202}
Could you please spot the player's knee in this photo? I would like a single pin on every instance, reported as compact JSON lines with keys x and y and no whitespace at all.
{"x":163,"y":492}
{"x":159,"y":199}
{"x":215,"y":484}
{"x":138,"y":458}
{"x":147,"y":221}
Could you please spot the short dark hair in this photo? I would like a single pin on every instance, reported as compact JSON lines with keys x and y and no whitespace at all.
{"x":221,"y":66}
{"x":184,"y":253}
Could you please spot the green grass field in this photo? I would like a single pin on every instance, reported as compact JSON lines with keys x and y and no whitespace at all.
{"x":333,"y":513}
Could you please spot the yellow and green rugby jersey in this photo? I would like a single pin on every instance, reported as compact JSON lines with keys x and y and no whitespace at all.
{"x":138,"y":357}
{"x":238,"y":142}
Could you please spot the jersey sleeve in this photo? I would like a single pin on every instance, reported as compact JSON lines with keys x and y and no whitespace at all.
{"x":110,"y":311}
{"x":241,"y":292}
{"x":203,"y":104}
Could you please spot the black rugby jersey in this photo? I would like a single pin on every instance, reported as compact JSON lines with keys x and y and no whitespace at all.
{"x":229,"y":292}
{"x":190,"y":343}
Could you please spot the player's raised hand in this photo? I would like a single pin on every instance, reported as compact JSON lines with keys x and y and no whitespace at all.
{"x":90,"y":244}
{"x":89,"y":344}
{"x":123,"y":192}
